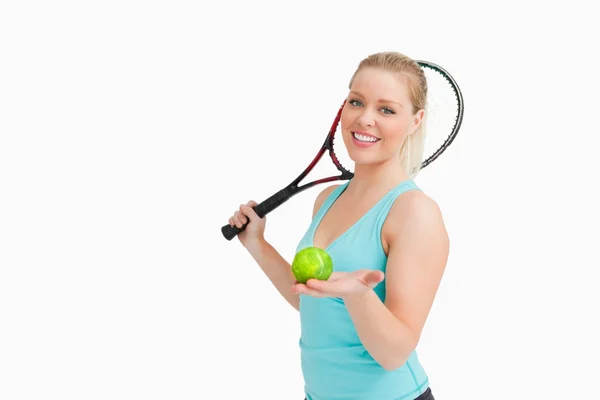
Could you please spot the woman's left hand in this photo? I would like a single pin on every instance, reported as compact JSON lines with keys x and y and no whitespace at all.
{"x":341,"y":284}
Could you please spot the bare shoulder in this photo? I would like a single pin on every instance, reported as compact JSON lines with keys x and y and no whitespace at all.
{"x":414,"y":214}
{"x":321,"y":198}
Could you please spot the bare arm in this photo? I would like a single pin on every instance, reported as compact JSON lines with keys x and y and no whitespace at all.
{"x":418,"y":250}
{"x":277,"y":269}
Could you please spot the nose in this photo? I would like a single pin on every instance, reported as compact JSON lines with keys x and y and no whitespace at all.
{"x":366,"y":118}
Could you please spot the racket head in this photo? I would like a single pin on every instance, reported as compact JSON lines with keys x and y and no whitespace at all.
{"x":338,"y":153}
{"x":445,"y":109}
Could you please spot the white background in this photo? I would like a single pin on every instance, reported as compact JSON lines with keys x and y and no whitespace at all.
{"x":130,"y":131}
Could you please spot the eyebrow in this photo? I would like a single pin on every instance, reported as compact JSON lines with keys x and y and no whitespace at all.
{"x":380,"y":100}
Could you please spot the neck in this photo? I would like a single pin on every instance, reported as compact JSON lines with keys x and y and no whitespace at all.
{"x":376,"y":177}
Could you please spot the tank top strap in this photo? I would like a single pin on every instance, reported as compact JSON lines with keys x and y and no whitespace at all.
{"x":329,"y":200}
{"x":327,"y":203}
{"x":388,"y":201}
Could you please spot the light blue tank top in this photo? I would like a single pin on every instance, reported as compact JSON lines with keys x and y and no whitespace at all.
{"x":335,"y":364}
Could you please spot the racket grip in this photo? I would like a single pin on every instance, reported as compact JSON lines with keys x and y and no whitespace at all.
{"x":262,"y":209}
{"x":231,"y":231}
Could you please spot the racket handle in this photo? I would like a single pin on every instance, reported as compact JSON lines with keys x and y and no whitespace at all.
{"x":262,"y":209}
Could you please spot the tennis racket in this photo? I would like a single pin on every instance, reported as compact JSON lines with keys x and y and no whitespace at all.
{"x":443,"y":120}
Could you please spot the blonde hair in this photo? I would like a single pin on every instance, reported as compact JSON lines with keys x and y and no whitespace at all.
{"x":411,"y":152}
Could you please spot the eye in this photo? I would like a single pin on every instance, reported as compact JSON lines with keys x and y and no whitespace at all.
{"x":387,"y":110}
{"x":355,"y":103}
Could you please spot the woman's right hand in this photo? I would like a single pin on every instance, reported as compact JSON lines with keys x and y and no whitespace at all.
{"x":255,"y":230}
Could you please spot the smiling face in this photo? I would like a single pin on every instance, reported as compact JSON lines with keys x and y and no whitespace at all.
{"x":378,"y":116}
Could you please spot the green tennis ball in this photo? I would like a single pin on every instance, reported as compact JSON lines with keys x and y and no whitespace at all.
{"x":312,"y":263}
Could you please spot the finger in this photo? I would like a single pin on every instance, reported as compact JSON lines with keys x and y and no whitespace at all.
{"x":374,"y":277}
{"x":300,"y":288}
{"x":242,"y":215}
{"x":249,"y":211}
{"x":234,"y":218}
{"x":239,"y":219}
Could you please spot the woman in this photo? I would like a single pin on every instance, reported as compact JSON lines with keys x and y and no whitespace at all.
{"x":387,"y":239}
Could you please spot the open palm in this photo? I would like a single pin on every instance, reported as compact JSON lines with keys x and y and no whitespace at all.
{"x":341,"y":284}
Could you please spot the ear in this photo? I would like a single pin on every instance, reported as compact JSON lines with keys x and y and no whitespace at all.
{"x":417,"y":119}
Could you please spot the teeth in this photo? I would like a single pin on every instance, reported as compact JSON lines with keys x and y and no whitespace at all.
{"x":363,"y":138}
